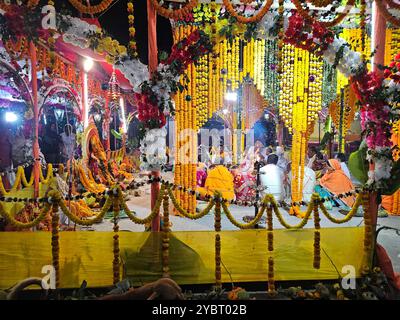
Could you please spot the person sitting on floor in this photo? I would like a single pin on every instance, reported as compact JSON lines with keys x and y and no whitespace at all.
{"x":336,"y":182}
{"x":244,"y":184}
{"x":342,"y":159}
{"x":218,"y":179}
{"x":272,"y":177}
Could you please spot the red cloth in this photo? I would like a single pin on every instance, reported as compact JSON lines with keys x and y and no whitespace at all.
{"x":385,"y":264}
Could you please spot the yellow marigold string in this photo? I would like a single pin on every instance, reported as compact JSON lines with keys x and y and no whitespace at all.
{"x":348,"y":216}
{"x":177,"y":13}
{"x":165,"y":237}
{"x":300,"y":225}
{"x":185,"y":213}
{"x":20,"y":225}
{"x":55,"y":246}
{"x":217,"y":226}
{"x":368,"y":234}
{"x":49,"y":174}
{"x":317,"y":237}
{"x":248,"y":225}
{"x":87,"y":222}
{"x":153,"y":213}
{"x":116,"y":262}
{"x":271,"y":279}
{"x":91,"y":9}
{"x":14,"y":188}
{"x":334,"y":22}
{"x":132,"y":30}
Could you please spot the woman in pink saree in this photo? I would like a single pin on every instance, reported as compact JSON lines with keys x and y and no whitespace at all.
{"x":244,"y":180}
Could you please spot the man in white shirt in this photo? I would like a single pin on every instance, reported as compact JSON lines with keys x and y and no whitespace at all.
{"x":282,"y":162}
{"x":69,"y":142}
{"x":309,"y":182}
{"x":342,"y":159}
{"x":271,"y":177}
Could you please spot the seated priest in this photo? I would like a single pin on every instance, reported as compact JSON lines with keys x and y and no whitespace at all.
{"x":271,"y":177}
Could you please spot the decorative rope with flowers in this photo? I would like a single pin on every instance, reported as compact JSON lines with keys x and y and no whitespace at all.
{"x":132,"y":31}
{"x":304,"y":13}
{"x":255,"y":18}
{"x":217,"y":227}
{"x":165,"y":237}
{"x":116,"y":261}
{"x":55,"y":245}
{"x":174,"y":13}
{"x":103,"y":5}
{"x":317,"y":237}
{"x":270,"y":235}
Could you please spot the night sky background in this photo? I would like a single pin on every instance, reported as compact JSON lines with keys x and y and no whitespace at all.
{"x":115,"y":22}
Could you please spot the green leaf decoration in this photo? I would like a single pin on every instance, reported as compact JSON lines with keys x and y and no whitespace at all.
{"x":358,"y":165}
{"x":116,"y":134}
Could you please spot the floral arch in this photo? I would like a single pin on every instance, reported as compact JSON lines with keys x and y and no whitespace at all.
{"x":58,"y":85}
{"x":374,"y":93}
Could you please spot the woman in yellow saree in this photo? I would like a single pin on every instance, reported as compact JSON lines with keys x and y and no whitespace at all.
{"x":218,"y":179}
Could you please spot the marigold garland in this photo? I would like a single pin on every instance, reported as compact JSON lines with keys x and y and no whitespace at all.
{"x":248,"y":225}
{"x":348,"y":216}
{"x":317,"y":237}
{"x":217,"y":227}
{"x":241,"y":19}
{"x":116,"y":261}
{"x":368,"y":234}
{"x":132,"y":30}
{"x":55,"y":245}
{"x":334,"y":22}
{"x":25,"y":225}
{"x":270,"y":236}
{"x":177,"y":14}
{"x":51,"y":44}
{"x":165,"y":237}
{"x":363,"y":26}
{"x":320,"y":3}
{"x":91,"y":9}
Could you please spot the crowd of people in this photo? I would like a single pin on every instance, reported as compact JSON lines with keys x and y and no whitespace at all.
{"x":267,"y":170}
{"x":58,"y":147}
{"x":17,"y":149}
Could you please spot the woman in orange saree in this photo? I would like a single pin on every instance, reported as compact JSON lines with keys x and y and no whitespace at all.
{"x":336,"y":182}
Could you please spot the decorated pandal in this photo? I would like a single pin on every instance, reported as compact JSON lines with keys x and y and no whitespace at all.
{"x":285,"y":93}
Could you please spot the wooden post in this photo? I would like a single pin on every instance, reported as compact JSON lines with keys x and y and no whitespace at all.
{"x":379,"y":35}
{"x":153,"y":62}
{"x":36,"y":167}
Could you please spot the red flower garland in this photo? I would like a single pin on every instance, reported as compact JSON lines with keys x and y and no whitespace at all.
{"x":184,"y":53}
{"x":316,"y":40}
